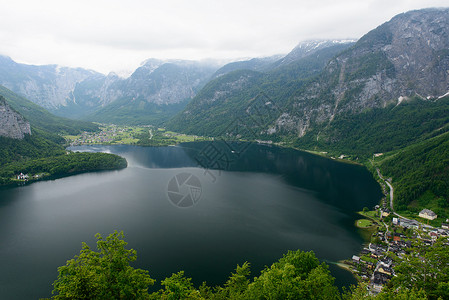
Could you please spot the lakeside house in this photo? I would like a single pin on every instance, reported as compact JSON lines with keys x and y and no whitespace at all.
{"x":22,"y":176}
{"x":427,"y":214}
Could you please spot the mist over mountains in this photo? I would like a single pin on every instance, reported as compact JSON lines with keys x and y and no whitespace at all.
{"x":314,"y":86}
{"x":159,"y":88}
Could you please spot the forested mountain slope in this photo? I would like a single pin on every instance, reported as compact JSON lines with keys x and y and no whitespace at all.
{"x":229,"y":95}
{"x":31,"y":142}
{"x":404,"y":58}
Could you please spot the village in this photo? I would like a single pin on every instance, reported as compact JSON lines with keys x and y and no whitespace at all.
{"x":394,"y":238}
{"x":144,"y":135}
{"x":109,"y":134}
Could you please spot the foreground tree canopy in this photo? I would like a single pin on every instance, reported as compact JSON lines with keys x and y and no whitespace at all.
{"x":106,"y":274}
{"x":103,"y":274}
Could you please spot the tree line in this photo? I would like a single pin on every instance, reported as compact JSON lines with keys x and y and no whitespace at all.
{"x":106,"y":273}
{"x":62,"y":165}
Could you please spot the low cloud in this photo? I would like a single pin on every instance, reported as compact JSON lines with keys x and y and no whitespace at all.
{"x":116,"y":35}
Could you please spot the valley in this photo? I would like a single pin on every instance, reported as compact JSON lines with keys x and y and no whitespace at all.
{"x":131,"y":135}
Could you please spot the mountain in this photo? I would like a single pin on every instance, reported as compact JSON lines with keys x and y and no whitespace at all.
{"x":404,"y":58}
{"x":407,"y":56}
{"x":420,"y":175}
{"x":18,"y":140}
{"x":90,"y":95}
{"x":42,"y":119}
{"x":385,"y":94}
{"x":253,"y":64}
{"x":49,"y":86}
{"x":307,"y":48}
{"x":228,"y":96}
{"x":266,"y":64}
{"x":30,"y":143}
{"x":153,"y":93}
{"x":76,"y":93}
{"x":28,"y":131}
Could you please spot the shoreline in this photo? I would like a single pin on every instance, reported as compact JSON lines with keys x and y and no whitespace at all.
{"x":82,"y":165}
{"x":341,"y":264}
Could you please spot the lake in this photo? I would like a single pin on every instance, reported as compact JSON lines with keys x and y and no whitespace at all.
{"x":196,"y":207}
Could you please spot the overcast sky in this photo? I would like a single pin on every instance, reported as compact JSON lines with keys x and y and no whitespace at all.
{"x":111,"y":35}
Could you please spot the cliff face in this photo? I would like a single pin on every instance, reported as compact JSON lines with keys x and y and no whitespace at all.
{"x":154,"y":82}
{"x":419,"y":51}
{"x":154,"y":93}
{"x":50,"y":86}
{"x":12,"y":124}
{"x":407,"y":56}
{"x":76,"y":92}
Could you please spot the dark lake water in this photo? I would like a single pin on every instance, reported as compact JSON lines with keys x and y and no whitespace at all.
{"x":262,"y":203}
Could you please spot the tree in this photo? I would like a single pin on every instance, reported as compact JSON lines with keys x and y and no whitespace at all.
{"x":237,"y":284}
{"x":297,"y":275}
{"x":362,"y":292}
{"x":177,"y":287}
{"x":103,"y":274}
{"x":402,"y":294}
{"x":425,"y":269}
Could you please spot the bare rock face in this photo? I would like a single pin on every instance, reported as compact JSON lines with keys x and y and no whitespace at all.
{"x":12,"y":124}
{"x":167,"y":83}
{"x":76,"y":92}
{"x":49,"y":86}
{"x":405,"y":57}
{"x":419,"y":51}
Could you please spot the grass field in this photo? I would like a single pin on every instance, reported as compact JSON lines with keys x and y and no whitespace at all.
{"x":126,"y":141}
{"x":364,"y":223}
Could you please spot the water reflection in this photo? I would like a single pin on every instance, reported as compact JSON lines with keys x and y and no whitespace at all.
{"x":331,"y":179}
{"x":268,"y":201}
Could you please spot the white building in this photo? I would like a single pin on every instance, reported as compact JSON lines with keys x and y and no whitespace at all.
{"x":21,"y":176}
{"x":427,"y":214}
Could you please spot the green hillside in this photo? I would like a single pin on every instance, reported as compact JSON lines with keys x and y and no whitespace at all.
{"x":420,"y":175}
{"x":41,"y":118}
{"x":36,"y":145}
{"x":214,"y":115}
{"x":229,"y":96}
{"x":135,"y":112}
{"x":380,"y":129}
{"x":46,"y":128}
{"x":61,"y":165}
{"x":41,"y":154}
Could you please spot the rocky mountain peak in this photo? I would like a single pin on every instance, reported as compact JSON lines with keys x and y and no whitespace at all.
{"x":419,"y":48}
{"x":308,"y":47}
{"x":407,"y":56}
{"x":50,"y":86}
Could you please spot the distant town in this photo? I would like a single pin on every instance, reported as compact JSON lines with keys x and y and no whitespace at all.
{"x":109,"y":134}
{"x":145,"y":135}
